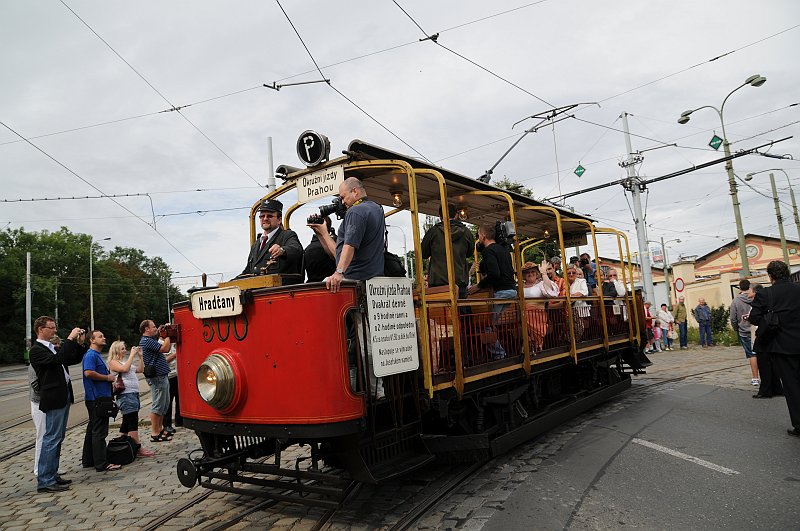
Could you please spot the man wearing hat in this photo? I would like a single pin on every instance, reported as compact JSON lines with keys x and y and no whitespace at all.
{"x":277,"y":250}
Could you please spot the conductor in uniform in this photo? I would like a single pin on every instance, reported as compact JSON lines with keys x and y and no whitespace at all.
{"x":276,"y":250}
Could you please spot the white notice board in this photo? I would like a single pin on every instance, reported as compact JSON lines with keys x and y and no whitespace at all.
{"x":392,"y":326}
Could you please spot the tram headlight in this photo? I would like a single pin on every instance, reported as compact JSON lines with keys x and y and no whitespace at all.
{"x":215,"y":381}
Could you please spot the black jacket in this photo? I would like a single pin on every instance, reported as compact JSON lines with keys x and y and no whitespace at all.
{"x":290,"y":262}
{"x":497,"y":268}
{"x":433,"y":247}
{"x":54,"y":388}
{"x":785,"y":296}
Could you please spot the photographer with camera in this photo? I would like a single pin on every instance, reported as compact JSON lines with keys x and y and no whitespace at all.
{"x":360,"y":241}
{"x":276,"y":250}
{"x":319,"y":255}
{"x":156,"y":372}
{"x":56,"y":395}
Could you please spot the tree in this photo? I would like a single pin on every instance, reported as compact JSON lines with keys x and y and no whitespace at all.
{"x":128,"y":286}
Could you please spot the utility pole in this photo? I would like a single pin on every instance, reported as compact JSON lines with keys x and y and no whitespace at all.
{"x":28,"y":330}
{"x":635,"y":186}
{"x":666,"y":273}
{"x":271,"y":168}
{"x":780,"y":218}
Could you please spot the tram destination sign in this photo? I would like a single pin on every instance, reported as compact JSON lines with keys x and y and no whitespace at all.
{"x":318,"y":184}
{"x":392,"y":326}
{"x":220,"y":302}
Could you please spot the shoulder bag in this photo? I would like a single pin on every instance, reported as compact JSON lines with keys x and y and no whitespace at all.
{"x":118,"y":386}
{"x":105,"y":406}
{"x":770,"y":324}
{"x":121,"y":450}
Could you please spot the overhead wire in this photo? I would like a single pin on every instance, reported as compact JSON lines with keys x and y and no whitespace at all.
{"x":348,"y":99}
{"x":173,"y":106}
{"x":70,"y":170}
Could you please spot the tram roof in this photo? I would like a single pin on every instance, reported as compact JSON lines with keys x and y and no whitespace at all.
{"x":481,"y":209}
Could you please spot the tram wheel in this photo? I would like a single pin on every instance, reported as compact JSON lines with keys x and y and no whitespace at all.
{"x":187,"y":473}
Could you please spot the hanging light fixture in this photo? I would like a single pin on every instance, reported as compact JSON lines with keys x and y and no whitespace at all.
{"x":546,"y":233}
{"x":397,"y":199}
{"x":462,"y":214}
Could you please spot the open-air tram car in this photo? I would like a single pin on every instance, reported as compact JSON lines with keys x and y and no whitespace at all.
{"x":263,"y":361}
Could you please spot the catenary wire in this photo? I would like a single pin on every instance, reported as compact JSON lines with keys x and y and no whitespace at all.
{"x":173,"y":107}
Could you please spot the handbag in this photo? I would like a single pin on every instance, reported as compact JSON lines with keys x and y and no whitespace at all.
{"x":770,"y":324}
{"x":118,"y":386}
{"x":121,"y":450}
{"x":149,"y":371}
{"x":104,"y":406}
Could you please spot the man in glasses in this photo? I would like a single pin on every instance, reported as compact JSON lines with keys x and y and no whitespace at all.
{"x":55,"y":388}
{"x":276,"y":250}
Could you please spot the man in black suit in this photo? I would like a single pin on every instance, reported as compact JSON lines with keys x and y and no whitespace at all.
{"x":55,"y":387}
{"x":277,"y":250}
{"x":784,"y":344}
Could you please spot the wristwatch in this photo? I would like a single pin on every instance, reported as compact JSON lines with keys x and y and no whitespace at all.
{"x":340,"y":270}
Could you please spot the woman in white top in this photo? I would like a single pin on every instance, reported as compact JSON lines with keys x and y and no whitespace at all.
{"x":577,"y":289}
{"x":121,"y":362}
{"x":537,"y":285}
{"x":666,"y":321}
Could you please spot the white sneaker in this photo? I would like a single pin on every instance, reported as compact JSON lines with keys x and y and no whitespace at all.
{"x":755,"y":382}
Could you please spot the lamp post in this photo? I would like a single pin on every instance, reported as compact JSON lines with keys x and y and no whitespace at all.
{"x":405,"y":249}
{"x":777,"y":212}
{"x":755,"y":80}
{"x":91,"y":283}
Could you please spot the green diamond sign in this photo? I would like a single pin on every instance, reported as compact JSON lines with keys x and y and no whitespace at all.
{"x":579,"y":170}
{"x":715,"y":142}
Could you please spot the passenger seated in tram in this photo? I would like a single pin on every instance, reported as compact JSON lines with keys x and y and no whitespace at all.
{"x":537,"y":285}
{"x":577,"y":289}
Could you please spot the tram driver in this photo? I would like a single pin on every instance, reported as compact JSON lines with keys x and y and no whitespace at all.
{"x":276,"y":250}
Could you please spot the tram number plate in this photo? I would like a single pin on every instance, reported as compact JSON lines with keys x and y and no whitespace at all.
{"x":393,"y":329}
{"x":221,"y":302}
{"x":322,"y":183}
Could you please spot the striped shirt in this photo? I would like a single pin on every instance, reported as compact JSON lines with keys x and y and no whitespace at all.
{"x":152,"y":355}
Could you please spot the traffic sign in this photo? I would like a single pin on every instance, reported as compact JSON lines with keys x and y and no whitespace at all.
{"x":715,"y":142}
{"x":579,"y":170}
{"x":679,"y":285}
{"x":313,"y":148}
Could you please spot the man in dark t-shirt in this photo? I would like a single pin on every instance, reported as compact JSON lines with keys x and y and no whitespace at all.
{"x":360,"y":241}
{"x":317,"y":258}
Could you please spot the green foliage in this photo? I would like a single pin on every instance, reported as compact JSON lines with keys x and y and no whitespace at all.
{"x":727,"y":338}
{"x":507,"y":184}
{"x":128,"y":286}
{"x":720,"y":316}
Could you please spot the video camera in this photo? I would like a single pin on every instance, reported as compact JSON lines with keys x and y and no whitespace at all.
{"x":504,"y":232}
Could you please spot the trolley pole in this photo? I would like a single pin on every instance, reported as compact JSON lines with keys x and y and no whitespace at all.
{"x":28,"y":330}
{"x":636,"y":187}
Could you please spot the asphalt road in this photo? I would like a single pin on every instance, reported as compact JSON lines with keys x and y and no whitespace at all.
{"x":696,"y":457}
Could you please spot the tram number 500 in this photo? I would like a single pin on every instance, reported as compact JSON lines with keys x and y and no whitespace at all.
{"x":221,"y":327}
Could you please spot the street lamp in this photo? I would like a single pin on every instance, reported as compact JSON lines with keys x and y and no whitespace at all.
{"x":755,"y":80}
{"x":777,"y":211}
{"x":91,"y":284}
{"x":791,"y":194}
{"x":405,"y":249}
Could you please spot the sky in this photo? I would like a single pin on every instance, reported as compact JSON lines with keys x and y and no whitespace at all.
{"x":164,"y":104}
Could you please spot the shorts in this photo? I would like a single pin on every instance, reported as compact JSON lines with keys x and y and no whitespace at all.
{"x":159,"y":388}
{"x":649,"y":334}
{"x":128,"y":403}
{"x":747,"y":345}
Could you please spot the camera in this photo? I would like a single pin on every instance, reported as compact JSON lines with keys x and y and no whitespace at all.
{"x":336,"y":207}
{"x":168,"y":330}
{"x":315,"y":219}
{"x":504,"y":233}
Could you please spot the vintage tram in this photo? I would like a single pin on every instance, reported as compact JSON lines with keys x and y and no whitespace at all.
{"x":264,"y":366}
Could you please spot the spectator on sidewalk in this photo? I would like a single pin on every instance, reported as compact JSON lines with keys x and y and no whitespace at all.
{"x":682,"y":320}
{"x":56,"y":396}
{"x":666,"y":322}
{"x":740,"y":307}
{"x":648,"y":324}
{"x":169,"y":427}
{"x":122,"y":362}
{"x":37,"y":415}
{"x":783,"y":300}
{"x":702,"y":314}
{"x":770,"y":379}
{"x":97,"y":385}
{"x":153,"y":354}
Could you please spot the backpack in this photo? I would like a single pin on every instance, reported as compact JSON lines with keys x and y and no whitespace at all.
{"x":393,"y":265}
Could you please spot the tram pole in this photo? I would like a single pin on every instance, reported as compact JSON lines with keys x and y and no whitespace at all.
{"x":28,"y":330}
{"x":635,"y":185}
{"x":271,"y":166}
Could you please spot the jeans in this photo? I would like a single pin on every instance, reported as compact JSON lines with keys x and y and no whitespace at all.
{"x":94,"y":442}
{"x":50,"y":457}
{"x":747,"y":343}
{"x":683,"y":329}
{"x":496,"y":350}
{"x":705,"y":334}
{"x":665,"y":338}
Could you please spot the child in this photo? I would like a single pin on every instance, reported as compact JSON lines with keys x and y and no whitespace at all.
{"x":656,"y":335}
